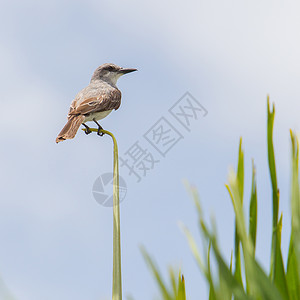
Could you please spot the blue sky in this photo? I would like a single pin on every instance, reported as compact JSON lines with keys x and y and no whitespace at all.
{"x":56,"y":240}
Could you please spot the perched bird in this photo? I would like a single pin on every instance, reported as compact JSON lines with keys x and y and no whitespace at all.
{"x":95,"y":101}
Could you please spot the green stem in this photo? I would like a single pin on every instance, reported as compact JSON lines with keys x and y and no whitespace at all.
{"x":117,"y":279}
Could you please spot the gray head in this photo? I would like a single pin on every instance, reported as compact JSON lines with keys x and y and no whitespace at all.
{"x":110,"y":73}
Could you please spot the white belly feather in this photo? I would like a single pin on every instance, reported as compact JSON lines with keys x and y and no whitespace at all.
{"x":98,"y":115}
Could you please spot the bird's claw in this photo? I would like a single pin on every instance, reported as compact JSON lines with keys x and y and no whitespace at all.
{"x":87,"y":131}
{"x":99,"y":128}
{"x":99,"y":132}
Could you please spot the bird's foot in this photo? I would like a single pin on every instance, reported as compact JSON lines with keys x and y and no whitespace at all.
{"x":99,"y":128}
{"x":99,"y":131}
{"x":87,"y":129}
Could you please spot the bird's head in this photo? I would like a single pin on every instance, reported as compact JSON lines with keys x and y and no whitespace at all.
{"x":110,"y":73}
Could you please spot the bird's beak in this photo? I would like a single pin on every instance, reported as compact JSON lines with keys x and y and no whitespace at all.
{"x":125,"y":71}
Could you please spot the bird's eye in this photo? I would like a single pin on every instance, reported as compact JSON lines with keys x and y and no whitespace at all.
{"x":109,"y":68}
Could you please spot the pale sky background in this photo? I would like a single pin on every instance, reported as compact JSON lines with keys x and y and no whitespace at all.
{"x":56,"y":240}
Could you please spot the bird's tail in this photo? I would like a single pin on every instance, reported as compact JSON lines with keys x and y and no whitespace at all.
{"x":70,"y":129}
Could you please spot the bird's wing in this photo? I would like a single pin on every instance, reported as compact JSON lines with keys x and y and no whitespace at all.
{"x":72,"y":108}
{"x":103,"y":102}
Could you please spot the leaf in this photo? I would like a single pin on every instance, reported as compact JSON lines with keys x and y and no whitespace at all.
{"x":258,"y":283}
{"x":117,"y":275}
{"x":117,"y":279}
{"x":279,"y":276}
{"x":224,"y":271}
{"x":253,"y":210}
{"x":275,"y":191}
{"x":293,"y":263}
{"x":212,"y":292}
{"x":292,"y":276}
{"x":240,"y":225}
{"x":181,"y":288}
{"x":163,"y":289}
{"x":240,"y":181}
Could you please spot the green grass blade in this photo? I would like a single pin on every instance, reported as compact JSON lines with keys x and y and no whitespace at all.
{"x":181,"y":288}
{"x":277,"y":272}
{"x":267,"y":290}
{"x":224,"y":271}
{"x":293,"y":264}
{"x":194,"y":249}
{"x":231,"y":256}
{"x":240,"y":171}
{"x":195,"y":196}
{"x":117,"y":275}
{"x":240,"y":178}
{"x":163,"y":288}
{"x":233,"y":189}
{"x":260,"y":286}
{"x":275,"y":191}
{"x":295,"y":199}
{"x":279,"y":279}
{"x":292,"y":276}
{"x":224,"y":290}
{"x":253,"y":210}
{"x":192,"y":243}
{"x":205,"y":270}
{"x":212,"y":292}
{"x":117,"y":279}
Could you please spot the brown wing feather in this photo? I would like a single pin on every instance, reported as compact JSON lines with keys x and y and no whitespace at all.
{"x":104,"y":102}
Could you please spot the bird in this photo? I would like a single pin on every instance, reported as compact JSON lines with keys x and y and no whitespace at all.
{"x":95,"y":101}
